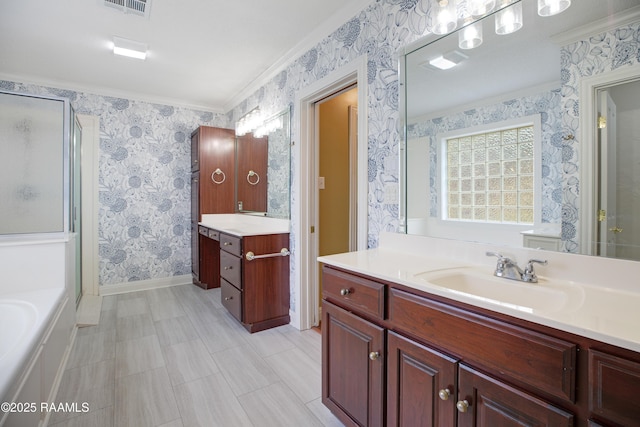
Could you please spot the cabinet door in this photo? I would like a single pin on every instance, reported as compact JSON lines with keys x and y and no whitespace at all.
{"x":352,"y":367}
{"x":614,"y":383}
{"x":421,"y":385}
{"x":486,"y":402}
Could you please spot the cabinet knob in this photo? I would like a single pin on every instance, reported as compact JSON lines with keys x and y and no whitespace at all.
{"x":229,"y":268}
{"x":344,"y":292}
{"x":227,"y":243}
{"x":444,"y":394}
{"x":462,"y":405}
{"x":374,"y":355}
{"x":228,"y":298}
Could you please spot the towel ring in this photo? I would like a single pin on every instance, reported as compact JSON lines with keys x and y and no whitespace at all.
{"x":218,"y":172}
{"x":252,"y":174}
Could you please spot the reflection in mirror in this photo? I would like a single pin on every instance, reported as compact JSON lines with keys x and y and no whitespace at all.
{"x":263,"y":159}
{"x":493,"y":143}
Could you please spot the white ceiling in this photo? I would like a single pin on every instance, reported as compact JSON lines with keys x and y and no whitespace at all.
{"x":205,"y":54}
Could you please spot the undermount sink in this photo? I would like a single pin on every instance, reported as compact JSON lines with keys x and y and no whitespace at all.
{"x":479,"y":284}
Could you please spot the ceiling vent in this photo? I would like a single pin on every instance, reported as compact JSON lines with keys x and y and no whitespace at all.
{"x":136,"y":7}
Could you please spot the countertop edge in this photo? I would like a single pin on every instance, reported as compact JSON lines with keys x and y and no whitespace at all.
{"x":356,"y":265}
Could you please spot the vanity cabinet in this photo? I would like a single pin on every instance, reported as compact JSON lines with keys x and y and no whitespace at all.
{"x":397,"y":356}
{"x":212,"y":189}
{"x":254,"y":279}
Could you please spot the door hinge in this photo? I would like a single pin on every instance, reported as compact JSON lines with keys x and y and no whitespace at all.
{"x":602,"y":215}
{"x":602,"y":122}
{"x":313,"y":229}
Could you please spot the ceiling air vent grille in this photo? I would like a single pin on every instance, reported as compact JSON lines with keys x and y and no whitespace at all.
{"x":136,"y":7}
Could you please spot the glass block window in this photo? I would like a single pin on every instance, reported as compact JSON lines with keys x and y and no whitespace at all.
{"x":489,"y":176}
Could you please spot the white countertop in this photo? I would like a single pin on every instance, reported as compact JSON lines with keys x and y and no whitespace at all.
{"x":600,"y":312}
{"x":245,"y":224}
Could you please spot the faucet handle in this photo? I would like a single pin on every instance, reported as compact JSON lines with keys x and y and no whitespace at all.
{"x":529,"y":275}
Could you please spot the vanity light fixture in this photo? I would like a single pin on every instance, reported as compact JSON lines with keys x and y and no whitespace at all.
{"x":249,"y":122}
{"x":129,"y":48}
{"x":479,"y":8}
{"x":471,"y":35}
{"x":448,"y":60}
{"x":509,"y":19}
{"x":552,"y":7}
{"x":443,"y":17}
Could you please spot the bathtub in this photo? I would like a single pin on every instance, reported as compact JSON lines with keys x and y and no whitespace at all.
{"x":37,"y":320}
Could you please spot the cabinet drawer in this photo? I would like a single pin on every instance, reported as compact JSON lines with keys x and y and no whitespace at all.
{"x":613,"y":384}
{"x":230,"y":269}
{"x":213,"y":234}
{"x":231,"y":244}
{"x":231,"y":299}
{"x":353,"y":292}
{"x":203,"y":230}
{"x":537,"y":360}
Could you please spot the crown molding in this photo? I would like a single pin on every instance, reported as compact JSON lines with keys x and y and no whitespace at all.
{"x":600,"y":26}
{"x":106,"y":91}
{"x":326,"y":28}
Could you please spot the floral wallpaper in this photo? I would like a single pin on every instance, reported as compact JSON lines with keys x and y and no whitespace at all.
{"x":598,"y":54}
{"x":144,"y":183}
{"x":546,"y":104}
{"x":144,"y":147}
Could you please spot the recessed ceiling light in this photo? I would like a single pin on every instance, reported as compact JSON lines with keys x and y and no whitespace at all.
{"x":129,"y":48}
{"x":448,"y":60}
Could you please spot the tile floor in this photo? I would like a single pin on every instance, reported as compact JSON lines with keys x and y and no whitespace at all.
{"x":174,"y":357}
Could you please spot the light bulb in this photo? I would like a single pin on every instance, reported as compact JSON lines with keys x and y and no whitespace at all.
{"x":552,"y":7}
{"x":470,"y":36}
{"x":509,"y":19}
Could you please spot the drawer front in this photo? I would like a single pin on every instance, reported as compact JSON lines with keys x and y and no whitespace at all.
{"x":231,"y":244}
{"x":213,"y":234}
{"x":231,"y":269}
{"x":231,"y":299}
{"x":353,"y":292}
{"x":614,"y":383}
{"x":535,"y":359}
{"x":203,"y":230}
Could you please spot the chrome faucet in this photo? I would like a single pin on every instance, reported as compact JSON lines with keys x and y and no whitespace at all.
{"x":508,"y":269}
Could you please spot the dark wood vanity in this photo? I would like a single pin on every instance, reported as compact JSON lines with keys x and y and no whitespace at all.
{"x":396,"y":356}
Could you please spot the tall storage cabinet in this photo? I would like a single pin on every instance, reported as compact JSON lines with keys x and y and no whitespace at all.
{"x":212,"y":190}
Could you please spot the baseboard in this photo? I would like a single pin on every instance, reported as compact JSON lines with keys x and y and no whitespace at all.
{"x":144,"y":285}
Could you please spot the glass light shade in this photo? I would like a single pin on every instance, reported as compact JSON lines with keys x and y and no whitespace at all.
{"x":552,"y":7}
{"x":470,"y":36}
{"x":509,"y":19}
{"x":443,"y":17}
{"x":480,"y":7}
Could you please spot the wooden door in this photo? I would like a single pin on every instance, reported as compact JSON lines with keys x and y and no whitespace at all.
{"x":352,"y":367}
{"x":421,"y":385}
{"x":486,"y":402}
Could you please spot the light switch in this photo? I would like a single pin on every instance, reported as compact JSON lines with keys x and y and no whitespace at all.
{"x":321,"y":183}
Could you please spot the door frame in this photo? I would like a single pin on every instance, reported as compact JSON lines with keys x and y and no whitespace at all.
{"x":306,"y":312}
{"x":89,"y":195}
{"x":589,"y":87}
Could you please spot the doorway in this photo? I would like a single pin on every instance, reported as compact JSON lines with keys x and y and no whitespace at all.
{"x":618,"y":171}
{"x":305,"y":306}
{"x":336,"y":142}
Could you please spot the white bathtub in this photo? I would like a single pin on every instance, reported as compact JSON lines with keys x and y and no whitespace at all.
{"x":37,"y":317}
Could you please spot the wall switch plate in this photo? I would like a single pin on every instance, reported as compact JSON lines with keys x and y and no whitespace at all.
{"x":321,"y":183}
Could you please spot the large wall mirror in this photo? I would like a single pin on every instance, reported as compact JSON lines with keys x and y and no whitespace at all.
{"x":263,"y":165}
{"x":530,"y":138}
